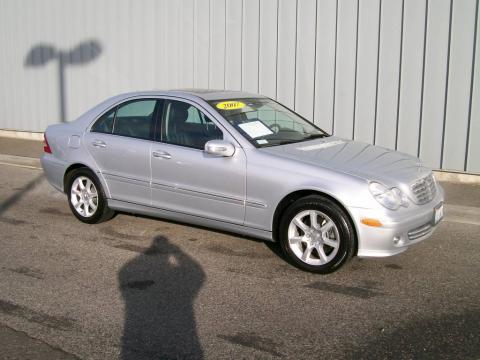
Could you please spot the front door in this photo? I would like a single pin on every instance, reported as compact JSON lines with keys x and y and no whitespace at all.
{"x":185,"y":179}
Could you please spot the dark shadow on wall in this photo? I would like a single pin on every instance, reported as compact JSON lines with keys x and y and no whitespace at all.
{"x":159,"y":288}
{"x":83,"y":53}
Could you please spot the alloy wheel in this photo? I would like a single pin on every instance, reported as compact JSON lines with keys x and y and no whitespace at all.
{"x":84,"y":196}
{"x":313,"y":237}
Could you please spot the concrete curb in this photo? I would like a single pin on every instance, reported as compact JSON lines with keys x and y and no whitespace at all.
{"x":26,"y":135}
{"x":462,"y":214}
{"x":20,"y":161}
{"x":457,"y":177}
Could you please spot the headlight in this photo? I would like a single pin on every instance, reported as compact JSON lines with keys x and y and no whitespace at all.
{"x":390,"y":198}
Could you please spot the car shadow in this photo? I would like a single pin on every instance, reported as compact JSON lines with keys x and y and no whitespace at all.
{"x":159,"y":288}
{"x":272,"y":246}
{"x":225,"y":232}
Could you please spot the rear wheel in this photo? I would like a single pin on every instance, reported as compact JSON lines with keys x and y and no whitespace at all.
{"x":86,"y":197}
{"x":316,"y":234}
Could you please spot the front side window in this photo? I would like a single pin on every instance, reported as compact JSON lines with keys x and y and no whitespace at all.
{"x":265,"y":122}
{"x":183,"y":124}
{"x":135,"y":119}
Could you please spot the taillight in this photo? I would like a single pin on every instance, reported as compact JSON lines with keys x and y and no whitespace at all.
{"x":46,"y":147}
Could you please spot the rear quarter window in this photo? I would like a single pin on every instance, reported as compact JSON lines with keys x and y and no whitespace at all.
{"x":105,"y":123}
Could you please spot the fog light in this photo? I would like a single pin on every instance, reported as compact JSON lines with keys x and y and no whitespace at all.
{"x":397,"y":240}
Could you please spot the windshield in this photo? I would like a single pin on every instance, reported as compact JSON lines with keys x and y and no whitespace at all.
{"x":265,"y":122}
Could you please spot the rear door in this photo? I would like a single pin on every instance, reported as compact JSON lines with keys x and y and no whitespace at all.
{"x":188,"y":180}
{"x":120,"y":142}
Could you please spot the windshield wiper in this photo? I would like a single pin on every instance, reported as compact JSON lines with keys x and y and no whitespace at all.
{"x":314,"y":136}
{"x":309,"y":137}
{"x":292,"y":141}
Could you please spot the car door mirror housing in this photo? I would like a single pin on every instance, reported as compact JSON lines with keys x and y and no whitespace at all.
{"x":220,"y":148}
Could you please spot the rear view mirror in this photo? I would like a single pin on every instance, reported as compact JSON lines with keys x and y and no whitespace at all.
{"x":220,"y":148}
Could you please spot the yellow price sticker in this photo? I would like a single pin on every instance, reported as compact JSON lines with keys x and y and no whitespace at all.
{"x":230,"y":105}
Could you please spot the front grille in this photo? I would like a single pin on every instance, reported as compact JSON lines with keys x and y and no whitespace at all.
{"x":419,"y":231}
{"x":424,"y":190}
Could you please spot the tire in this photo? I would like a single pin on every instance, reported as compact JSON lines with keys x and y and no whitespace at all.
{"x":317,"y":235}
{"x":89,"y":206}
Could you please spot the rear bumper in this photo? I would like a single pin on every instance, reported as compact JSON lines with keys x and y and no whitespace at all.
{"x":54,"y":170}
{"x":399,"y":229}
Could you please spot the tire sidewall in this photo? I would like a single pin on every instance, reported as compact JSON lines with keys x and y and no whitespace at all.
{"x":102,"y":203}
{"x":337,"y":215}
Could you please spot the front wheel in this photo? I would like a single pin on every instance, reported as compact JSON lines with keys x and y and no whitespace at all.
{"x":317,"y":235}
{"x":86,"y":197}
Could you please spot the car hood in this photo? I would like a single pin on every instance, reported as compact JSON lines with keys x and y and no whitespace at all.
{"x":355,"y":158}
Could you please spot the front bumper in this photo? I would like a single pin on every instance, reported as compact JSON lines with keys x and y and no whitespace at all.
{"x":399,"y":229}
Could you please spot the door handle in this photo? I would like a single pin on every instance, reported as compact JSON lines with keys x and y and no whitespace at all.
{"x":161,"y":154}
{"x":99,"y":143}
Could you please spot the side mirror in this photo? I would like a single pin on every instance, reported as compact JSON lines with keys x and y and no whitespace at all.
{"x":220,"y":148}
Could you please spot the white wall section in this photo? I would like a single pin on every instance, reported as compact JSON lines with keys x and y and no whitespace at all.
{"x":403,"y":74}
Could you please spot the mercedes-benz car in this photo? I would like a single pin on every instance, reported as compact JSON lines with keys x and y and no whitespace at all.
{"x":246,"y":164}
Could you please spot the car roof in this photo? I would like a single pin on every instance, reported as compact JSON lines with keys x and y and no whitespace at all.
{"x":205,"y":94}
{"x":213,"y":94}
{"x":189,"y":94}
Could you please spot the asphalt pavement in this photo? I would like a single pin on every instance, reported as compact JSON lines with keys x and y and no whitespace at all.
{"x":142,"y":288}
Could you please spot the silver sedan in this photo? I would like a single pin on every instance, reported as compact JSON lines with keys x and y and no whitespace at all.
{"x":246,"y":164}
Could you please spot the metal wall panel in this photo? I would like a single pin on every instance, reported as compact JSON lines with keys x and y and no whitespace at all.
{"x":345,"y":68}
{"x":201,"y":48}
{"x":233,"y":45}
{"x":186,"y":47}
{"x":404,"y":74}
{"x":459,"y":77}
{"x":473,"y":155}
{"x":367,"y":65}
{"x":172,"y":44}
{"x":250,"y":47}
{"x":217,"y":44}
{"x":435,"y":81}
{"x":325,"y":63}
{"x":287,"y":54}
{"x":304,"y":81}
{"x":389,"y":72}
{"x":268,"y":47}
{"x":412,"y":69}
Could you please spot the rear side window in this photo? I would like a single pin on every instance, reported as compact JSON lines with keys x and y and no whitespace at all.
{"x":105,"y":123}
{"x":135,"y":119}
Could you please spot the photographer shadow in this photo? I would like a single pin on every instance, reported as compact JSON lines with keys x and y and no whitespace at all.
{"x":159,"y":288}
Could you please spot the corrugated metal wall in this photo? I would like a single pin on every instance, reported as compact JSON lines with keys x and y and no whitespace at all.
{"x":404,"y":74}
